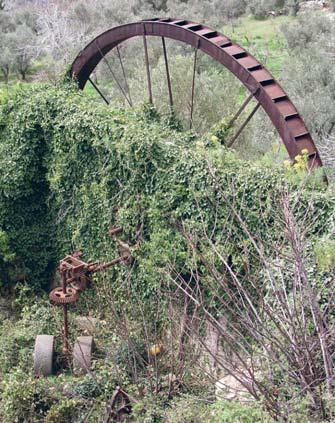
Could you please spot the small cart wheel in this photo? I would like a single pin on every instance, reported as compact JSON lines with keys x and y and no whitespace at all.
{"x":43,"y":355}
{"x":82,"y":354}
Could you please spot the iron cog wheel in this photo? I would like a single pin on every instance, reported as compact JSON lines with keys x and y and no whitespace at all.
{"x":58,"y":296}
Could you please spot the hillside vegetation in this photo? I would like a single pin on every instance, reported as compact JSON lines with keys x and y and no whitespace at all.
{"x":192,"y":212}
{"x":222,"y":309}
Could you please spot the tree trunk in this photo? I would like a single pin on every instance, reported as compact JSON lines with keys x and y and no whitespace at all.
{"x":294,"y":7}
{"x":213,"y":345}
{"x":5,"y":71}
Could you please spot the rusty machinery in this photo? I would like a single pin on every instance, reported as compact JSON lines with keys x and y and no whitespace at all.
{"x":76,"y":276}
{"x":263,"y":89}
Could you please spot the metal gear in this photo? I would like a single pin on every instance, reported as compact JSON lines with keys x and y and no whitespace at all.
{"x":58,"y":296}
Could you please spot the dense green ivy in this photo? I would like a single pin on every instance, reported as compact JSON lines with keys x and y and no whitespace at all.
{"x":70,"y":169}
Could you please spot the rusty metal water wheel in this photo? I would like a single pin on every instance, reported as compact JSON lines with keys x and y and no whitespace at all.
{"x":262,"y":86}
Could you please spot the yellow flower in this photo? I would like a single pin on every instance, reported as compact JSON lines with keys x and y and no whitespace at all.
{"x":215,"y":139}
{"x":200,"y":145}
{"x":304,"y":151}
{"x":155,"y":349}
{"x":287,"y":164}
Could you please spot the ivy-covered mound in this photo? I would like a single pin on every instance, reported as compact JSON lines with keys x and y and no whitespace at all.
{"x":70,"y":169}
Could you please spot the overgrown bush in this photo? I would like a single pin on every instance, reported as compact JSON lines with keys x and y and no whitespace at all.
{"x":53,"y":198}
{"x":70,"y":169}
{"x":309,"y":76}
{"x":89,"y":167}
{"x":27,"y":399}
{"x":16,"y":350}
{"x":261,"y":9}
{"x":234,"y":411}
{"x":23,"y":399}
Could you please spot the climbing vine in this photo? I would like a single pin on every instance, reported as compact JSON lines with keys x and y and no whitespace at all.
{"x":70,"y":169}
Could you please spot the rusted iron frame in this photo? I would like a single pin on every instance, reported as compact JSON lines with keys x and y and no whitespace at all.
{"x":193,"y":81}
{"x":65,"y":320}
{"x":110,"y":409}
{"x":147,"y":65}
{"x":103,"y":266}
{"x":114,"y":76}
{"x":70,"y":273}
{"x":115,"y":231}
{"x":124,"y":74}
{"x":244,"y":124}
{"x":97,"y":89}
{"x":242,"y":64}
{"x":167,"y":72}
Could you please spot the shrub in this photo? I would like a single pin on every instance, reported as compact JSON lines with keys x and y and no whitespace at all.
{"x":260,"y":8}
{"x":234,"y":411}
{"x":87,"y":387}
{"x":100,"y":166}
{"x":64,"y":411}
{"x":187,"y":408}
{"x":234,"y":8}
{"x":27,"y":399}
{"x":309,"y":76}
{"x":6,"y":257}
{"x":325,"y":254}
{"x":16,"y":350}
{"x":307,"y":30}
{"x":23,"y":398}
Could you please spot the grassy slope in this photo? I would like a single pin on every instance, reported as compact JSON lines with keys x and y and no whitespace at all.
{"x":263,"y":38}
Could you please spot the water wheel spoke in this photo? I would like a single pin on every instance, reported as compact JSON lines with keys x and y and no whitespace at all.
{"x":98,"y":91}
{"x":124,"y":74}
{"x":244,"y":124}
{"x":195,"y":58}
{"x":240,"y":110}
{"x":167,"y":72}
{"x":147,"y":65}
{"x":114,"y":76}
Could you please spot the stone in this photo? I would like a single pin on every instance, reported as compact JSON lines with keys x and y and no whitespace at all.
{"x":312,"y":5}
{"x":229,"y":388}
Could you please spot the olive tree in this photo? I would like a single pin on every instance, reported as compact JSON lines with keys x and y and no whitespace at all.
{"x":294,"y":6}
{"x":6,"y":55}
{"x":23,"y":53}
{"x":7,"y":26}
{"x":18,"y":33}
{"x":309,"y":75}
{"x":214,"y":12}
{"x":64,"y":30}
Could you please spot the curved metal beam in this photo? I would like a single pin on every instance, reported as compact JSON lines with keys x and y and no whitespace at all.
{"x":253,"y":75}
